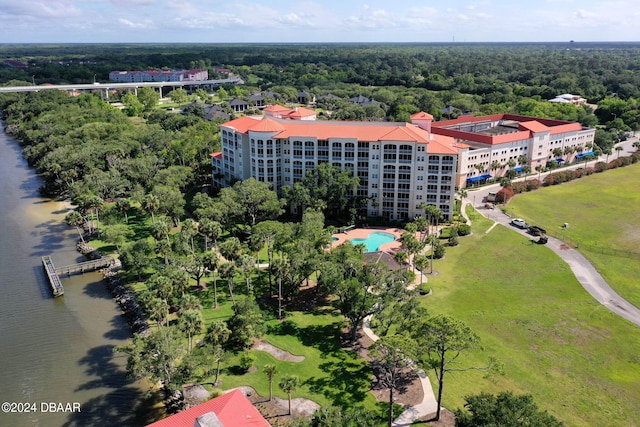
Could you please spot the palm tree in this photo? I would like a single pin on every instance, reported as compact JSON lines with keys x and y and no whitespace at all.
{"x":270,"y":371}
{"x":421,"y":262}
{"x":246,"y":263}
{"x":557,"y":152}
{"x":123,"y":206}
{"x":191,"y":324}
{"x":619,"y":149}
{"x":151,"y":204}
{"x":636,"y":145}
{"x":218,"y":354}
{"x":288,"y":384}
{"x":158,"y":310}
{"x":526,"y":169}
{"x":228,"y":272}
{"x":211,"y":263}
{"x":495,"y":165}
{"x":189,"y":302}
{"x":75,"y":219}
{"x":540,"y":169}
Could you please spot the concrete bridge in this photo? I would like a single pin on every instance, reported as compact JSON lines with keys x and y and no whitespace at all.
{"x":110,"y":86}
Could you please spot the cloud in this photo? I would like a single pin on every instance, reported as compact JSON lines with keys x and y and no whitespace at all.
{"x":39,"y":9}
{"x":137,"y":25}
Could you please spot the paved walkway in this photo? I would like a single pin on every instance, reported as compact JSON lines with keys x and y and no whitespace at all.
{"x":429,"y":405}
{"x":586,"y":274}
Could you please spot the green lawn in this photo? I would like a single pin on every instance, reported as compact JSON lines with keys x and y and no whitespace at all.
{"x":603,"y":213}
{"x":329,"y":374}
{"x":578,"y":360}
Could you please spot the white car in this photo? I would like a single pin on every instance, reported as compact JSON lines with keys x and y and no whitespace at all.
{"x":519,"y":222}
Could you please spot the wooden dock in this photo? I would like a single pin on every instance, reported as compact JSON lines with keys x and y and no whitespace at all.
{"x":54,"y":280}
{"x":53,"y":272}
{"x":81,"y":267}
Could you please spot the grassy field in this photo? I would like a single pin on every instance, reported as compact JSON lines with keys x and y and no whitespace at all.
{"x":578,"y":360}
{"x":603,"y":212}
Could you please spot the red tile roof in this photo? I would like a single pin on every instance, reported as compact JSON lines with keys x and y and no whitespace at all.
{"x":233,"y":409}
{"x":276,"y":108}
{"x":359,"y":131}
{"x":300,"y":112}
{"x":421,"y":116}
{"x":267,"y":125}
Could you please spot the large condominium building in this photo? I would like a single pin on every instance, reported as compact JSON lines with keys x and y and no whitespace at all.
{"x":400,"y":165}
{"x":158,"y":76}
{"x":487,"y":144}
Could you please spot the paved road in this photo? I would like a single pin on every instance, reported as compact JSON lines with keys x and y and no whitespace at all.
{"x":586,"y":274}
{"x":477,"y":195}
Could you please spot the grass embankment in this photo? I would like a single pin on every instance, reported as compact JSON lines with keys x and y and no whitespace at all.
{"x":578,"y":359}
{"x":602,"y":211}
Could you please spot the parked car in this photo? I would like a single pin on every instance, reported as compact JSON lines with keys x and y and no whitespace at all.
{"x":537,"y":231}
{"x":519,"y":222}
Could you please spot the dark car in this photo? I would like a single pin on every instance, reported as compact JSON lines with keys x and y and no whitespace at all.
{"x":537,"y":231}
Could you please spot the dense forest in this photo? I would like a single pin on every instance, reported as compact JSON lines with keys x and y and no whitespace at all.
{"x":445,"y":80}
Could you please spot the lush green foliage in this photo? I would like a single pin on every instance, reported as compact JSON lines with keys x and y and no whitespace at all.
{"x":505,"y":409}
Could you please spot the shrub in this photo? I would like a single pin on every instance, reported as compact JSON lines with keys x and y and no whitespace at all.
{"x":247,"y":360}
{"x":438,"y":249}
{"x":504,"y":195}
{"x":548,"y":180}
{"x":464,"y":230}
{"x":534,"y":184}
{"x":602,"y":166}
{"x":519,"y":187}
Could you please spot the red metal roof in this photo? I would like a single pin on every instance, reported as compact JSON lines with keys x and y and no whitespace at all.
{"x":534,"y":126}
{"x":233,"y":409}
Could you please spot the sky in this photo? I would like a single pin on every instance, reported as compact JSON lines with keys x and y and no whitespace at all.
{"x":291,"y":21}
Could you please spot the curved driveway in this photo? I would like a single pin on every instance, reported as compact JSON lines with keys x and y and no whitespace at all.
{"x":586,"y":274}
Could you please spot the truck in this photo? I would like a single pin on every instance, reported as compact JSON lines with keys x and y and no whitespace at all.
{"x":491,"y":197}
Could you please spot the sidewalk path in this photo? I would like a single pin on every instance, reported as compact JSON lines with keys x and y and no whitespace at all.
{"x":586,"y":274}
{"x":429,"y":405}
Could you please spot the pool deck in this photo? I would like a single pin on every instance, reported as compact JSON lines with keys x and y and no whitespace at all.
{"x":363,"y":233}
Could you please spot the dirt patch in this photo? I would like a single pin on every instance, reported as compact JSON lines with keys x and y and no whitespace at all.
{"x":564,"y":247}
{"x":276,"y":410}
{"x":276,"y":352}
{"x":447,"y":419}
{"x":411,"y":394}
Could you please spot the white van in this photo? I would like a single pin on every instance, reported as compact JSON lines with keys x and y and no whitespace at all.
{"x":491,"y":197}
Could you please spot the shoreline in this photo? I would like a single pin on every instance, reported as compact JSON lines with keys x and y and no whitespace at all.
{"x":129,"y":306}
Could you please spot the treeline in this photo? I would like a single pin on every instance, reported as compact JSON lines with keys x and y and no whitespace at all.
{"x":443,"y":80}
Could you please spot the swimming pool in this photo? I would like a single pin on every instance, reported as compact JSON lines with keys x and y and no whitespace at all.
{"x":375,"y":240}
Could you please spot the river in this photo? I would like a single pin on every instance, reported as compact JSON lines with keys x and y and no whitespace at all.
{"x":56,"y":350}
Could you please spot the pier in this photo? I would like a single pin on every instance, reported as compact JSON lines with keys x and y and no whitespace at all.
{"x":54,"y":280}
{"x":53,"y":272}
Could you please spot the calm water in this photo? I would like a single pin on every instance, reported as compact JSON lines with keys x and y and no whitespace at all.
{"x":375,"y":240}
{"x":55,"y":350}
